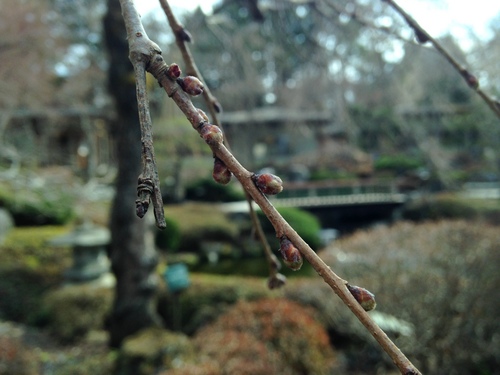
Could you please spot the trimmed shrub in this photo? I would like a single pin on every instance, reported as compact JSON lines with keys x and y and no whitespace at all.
{"x":154,"y":349}
{"x":21,"y":293}
{"x":38,"y":207}
{"x":170,"y":237}
{"x":207,"y":298}
{"x":443,"y":278}
{"x":207,"y":190}
{"x":199,"y":222}
{"x":287,"y":330}
{"x":73,"y":311}
{"x":438,"y":208}
{"x":397,"y":163}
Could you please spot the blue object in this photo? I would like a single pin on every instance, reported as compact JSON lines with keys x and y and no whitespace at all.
{"x":177,"y":277}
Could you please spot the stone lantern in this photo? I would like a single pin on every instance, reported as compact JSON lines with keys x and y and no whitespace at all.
{"x":90,"y":261}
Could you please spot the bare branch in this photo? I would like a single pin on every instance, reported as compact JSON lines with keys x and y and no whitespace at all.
{"x":182,"y":38}
{"x":141,"y":48}
{"x":210,"y":133}
{"x":423,"y":36}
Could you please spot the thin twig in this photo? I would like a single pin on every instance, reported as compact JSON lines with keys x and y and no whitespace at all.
{"x":140,"y":48}
{"x":182,"y":38}
{"x":423,"y":36}
{"x":158,"y":67}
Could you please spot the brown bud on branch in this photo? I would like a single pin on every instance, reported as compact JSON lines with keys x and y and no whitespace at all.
{"x":221,"y":174}
{"x":174,"y":71}
{"x":364,"y":297}
{"x":191,"y":85}
{"x":211,"y":134}
{"x":290,"y":254}
{"x":268,"y":183}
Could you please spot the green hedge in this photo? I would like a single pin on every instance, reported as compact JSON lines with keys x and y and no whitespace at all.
{"x":304,"y":223}
{"x":397,"y":163}
{"x":38,"y":207}
{"x":74,"y":311}
{"x":207,"y":190}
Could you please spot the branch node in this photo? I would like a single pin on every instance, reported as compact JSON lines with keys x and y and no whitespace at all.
{"x":145,"y":189}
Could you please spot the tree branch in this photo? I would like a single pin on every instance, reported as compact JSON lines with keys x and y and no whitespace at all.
{"x":140,"y":50}
{"x":182,"y":38}
{"x":423,"y":36}
{"x":213,"y":138}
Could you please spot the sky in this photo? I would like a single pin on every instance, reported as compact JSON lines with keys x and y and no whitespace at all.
{"x":459,"y":17}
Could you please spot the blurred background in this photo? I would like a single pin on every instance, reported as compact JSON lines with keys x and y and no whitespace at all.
{"x":390,"y":165}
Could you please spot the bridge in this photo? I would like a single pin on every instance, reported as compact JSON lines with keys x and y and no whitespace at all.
{"x":338,"y":194}
{"x":341,"y":205}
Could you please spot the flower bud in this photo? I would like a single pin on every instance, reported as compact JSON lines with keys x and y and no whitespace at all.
{"x":174,"y":71}
{"x":420,"y":36}
{"x":471,"y":79}
{"x":191,"y":85}
{"x":364,"y":297}
{"x":268,"y":183}
{"x":276,"y":281}
{"x":221,"y":173}
{"x":211,"y":134}
{"x":290,"y":254}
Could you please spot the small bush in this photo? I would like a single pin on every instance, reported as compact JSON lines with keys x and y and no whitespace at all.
{"x":200,"y":222}
{"x":152,"y":350}
{"x":170,"y":237}
{"x":73,"y":311}
{"x":397,"y":163}
{"x":287,"y":329}
{"x":38,"y":207}
{"x":207,"y":298}
{"x":207,"y":190}
{"x":443,"y":278}
{"x":438,"y":208}
{"x":21,"y":293}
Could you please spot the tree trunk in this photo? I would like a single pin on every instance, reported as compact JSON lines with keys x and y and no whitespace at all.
{"x":133,"y":262}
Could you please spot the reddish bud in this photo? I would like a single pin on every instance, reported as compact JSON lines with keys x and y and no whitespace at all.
{"x":290,"y":254}
{"x":268,"y":183}
{"x":211,"y":134}
{"x":471,"y":79}
{"x":421,"y":37}
{"x":174,"y":71}
{"x":221,"y":174}
{"x":276,"y":281}
{"x":364,"y":297}
{"x":191,"y":85}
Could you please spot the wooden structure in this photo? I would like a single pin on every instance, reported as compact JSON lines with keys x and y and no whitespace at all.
{"x":75,"y":137}
{"x":263,"y":134}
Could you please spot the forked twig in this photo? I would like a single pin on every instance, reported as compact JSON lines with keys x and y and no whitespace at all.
{"x":148,"y":188}
{"x":157,"y":66}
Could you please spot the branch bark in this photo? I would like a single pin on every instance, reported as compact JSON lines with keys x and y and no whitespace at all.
{"x":157,"y":66}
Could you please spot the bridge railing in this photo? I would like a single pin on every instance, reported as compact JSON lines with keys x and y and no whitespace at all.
{"x":305,"y":190}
